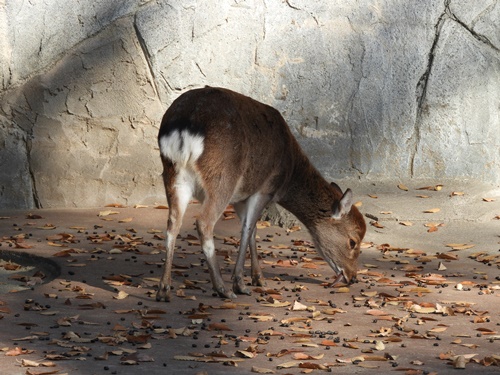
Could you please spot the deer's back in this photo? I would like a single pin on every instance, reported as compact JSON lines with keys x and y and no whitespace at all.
{"x":231,"y":141}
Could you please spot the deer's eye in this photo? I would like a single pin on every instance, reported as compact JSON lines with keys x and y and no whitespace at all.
{"x":352,"y":244}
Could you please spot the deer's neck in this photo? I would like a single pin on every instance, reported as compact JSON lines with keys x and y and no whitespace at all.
{"x":308,"y":196}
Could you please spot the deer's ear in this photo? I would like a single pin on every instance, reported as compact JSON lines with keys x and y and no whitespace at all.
{"x":342,"y":207}
{"x":336,"y":187}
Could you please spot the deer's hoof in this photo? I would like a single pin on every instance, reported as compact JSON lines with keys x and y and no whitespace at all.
{"x":258,"y":280}
{"x":163,"y":293}
{"x":240,"y":287}
{"x":223,"y":293}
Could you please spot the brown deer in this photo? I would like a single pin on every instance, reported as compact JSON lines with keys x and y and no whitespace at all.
{"x":222,"y":147}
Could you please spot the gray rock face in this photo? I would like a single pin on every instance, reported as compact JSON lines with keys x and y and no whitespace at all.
{"x":385,"y":91}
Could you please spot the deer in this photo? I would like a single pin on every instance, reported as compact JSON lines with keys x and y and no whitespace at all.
{"x":222,"y":147}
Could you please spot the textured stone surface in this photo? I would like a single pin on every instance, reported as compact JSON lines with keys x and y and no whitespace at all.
{"x":378,"y":91}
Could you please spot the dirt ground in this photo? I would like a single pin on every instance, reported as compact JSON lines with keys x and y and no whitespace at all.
{"x":426,"y":301}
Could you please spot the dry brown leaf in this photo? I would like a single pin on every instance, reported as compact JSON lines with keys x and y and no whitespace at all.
{"x":328,"y":343}
{"x":263,"y":224}
{"x":403,"y":187}
{"x":313,"y":366}
{"x":447,"y":256}
{"x":276,"y":304}
{"x":438,"y":329}
{"x":261,"y":370}
{"x":218,"y":327}
{"x":303,"y":356}
{"x":41,"y":372}
{"x":406,"y":223}
{"x":245,"y":354}
{"x":17,"y":351}
{"x":379,"y":345}
{"x":486,"y":331}
{"x":464,"y":246}
{"x":289,"y":364}
{"x":432,"y":210}
{"x":115,"y":205}
{"x":459,"y":362}
{"x":441,"y":267}
{"x":433,"y":188}
{"x":107,"y":213}
{"x":48,"y":226}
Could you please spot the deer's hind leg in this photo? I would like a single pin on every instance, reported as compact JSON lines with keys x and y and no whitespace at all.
{"x":179,"y":191}
{"x":212,"y":208}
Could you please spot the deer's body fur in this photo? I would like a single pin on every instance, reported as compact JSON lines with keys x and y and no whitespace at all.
{"x":222,"y":147}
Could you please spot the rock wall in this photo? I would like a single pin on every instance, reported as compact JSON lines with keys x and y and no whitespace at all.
{"x":383,"y":90}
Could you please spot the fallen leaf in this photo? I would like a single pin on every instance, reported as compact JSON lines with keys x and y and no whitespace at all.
{"x":486,"y":331}
{"x":432,"y":210}
{"x":121,"y":295}
{"x":218,"y":327}
{"x":459,"y":362}
{"x":456,"y":246}
{"x":289,"y":364}
{"x":297,"y":306}
{"x":441,"y":267}
{"x":17,"y":351}
{"x":434,"y":188}
{"x":33,"y":217}
{"x":438,"y":329}
{"x":115,"y":205}
{"x":276,"y":303}
{"x":403,"y":187}
{"x":379,"y":345}
{"x":107,"y":213}
{"x":261,"y":370}
{"x":304,"y":356}
{"x":48,"y":227}
{"x":328,"y":343}
{"x":417,"y":363}
{"x":263,"y":224}
{"x":406,"y":223}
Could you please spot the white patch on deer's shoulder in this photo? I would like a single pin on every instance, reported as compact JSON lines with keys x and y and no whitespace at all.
{"x":181,"y":147}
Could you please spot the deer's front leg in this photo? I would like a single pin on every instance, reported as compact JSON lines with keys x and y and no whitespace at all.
{"x":249,"y":212}
{"x":257,"y":276}
{"x":238,"y":277}
{"x":205,"y":230}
